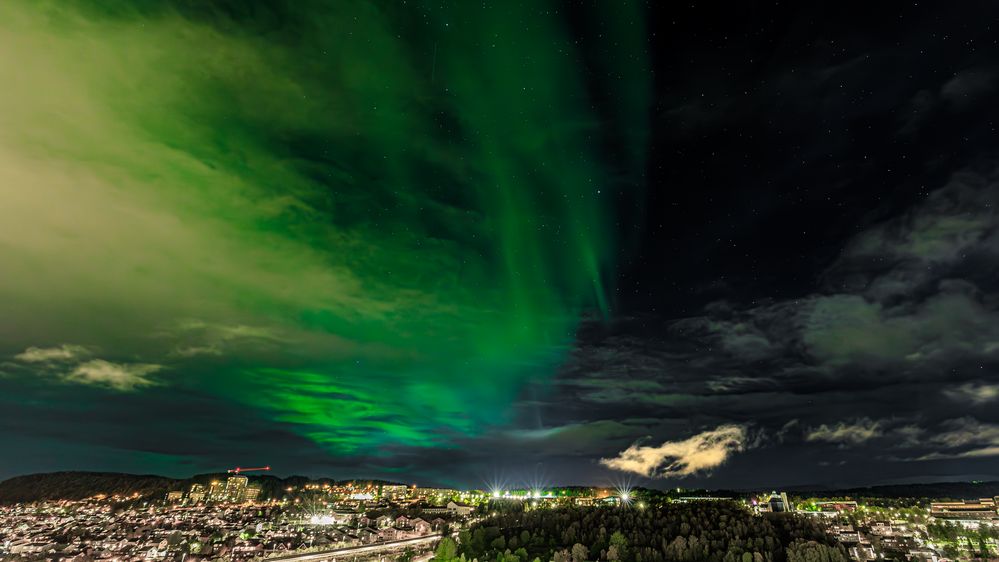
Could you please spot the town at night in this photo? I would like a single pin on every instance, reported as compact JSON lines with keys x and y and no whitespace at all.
{"x":499,"y":281}
{"x":244,"y":518}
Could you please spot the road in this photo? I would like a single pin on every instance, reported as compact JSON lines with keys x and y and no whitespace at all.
{"x":353,"y":552}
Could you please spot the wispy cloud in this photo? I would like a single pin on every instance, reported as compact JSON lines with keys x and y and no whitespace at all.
{"x":64,"y":352}
{"x":962,"y":438}
{"x":966,"y":431}
{"x":699,"y":453}
{"x":198,"y":338}
{"x":853,"y":433}
{"x":124,"y":377}
{"x":976,"y":394}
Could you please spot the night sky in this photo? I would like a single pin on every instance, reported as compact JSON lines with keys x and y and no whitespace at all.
{"x":519,"y":243}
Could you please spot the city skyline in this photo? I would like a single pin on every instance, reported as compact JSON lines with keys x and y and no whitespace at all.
{"x":312,"y":521}
{"x":510,"y":243}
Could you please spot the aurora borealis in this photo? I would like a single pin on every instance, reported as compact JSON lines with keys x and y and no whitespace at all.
{"x":371,"y":222}
{"x":459,"y":241}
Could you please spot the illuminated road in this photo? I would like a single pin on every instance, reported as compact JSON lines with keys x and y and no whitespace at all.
{"x":353,"y":552}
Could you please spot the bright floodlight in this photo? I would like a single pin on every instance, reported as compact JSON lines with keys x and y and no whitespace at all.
{"x":625,"y":497}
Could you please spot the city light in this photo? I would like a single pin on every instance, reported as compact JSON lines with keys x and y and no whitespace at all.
{"x":623,"y":492}
{"x":322,"y":520}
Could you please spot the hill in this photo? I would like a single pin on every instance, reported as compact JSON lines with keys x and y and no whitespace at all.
{"x":938,"y":490}
{"x":79,"y":485}
{"x":73,"y":485}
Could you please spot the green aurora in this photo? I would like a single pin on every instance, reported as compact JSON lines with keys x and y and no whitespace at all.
{"x":376,"y":222}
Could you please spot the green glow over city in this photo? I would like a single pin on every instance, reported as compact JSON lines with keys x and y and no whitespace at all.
{"x":373,"y":223}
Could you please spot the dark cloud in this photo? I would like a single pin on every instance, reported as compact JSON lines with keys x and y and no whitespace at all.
{"x":903,"y":323}
{"x":822,"y":256}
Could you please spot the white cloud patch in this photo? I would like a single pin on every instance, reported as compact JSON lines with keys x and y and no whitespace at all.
{"x":966,"y":431}
{"x":119,"y":376}
{"x":853,"y":433}
{"x":64,"y":352}
{"x":963,"y":438}
{"x":199,"y":338}
{"x":699,"y":453}
{"x":975,"y":394}
{"x":197,"y":350}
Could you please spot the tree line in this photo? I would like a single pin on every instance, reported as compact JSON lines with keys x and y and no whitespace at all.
{"x":710,"y":531}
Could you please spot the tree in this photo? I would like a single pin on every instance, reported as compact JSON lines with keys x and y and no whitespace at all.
{"x":508,"y":557}
{"x":811,"y":551}
{"x":446,"y":550}
{"x":677,"y":549}
{"x":617,"y":539}
{"x":580,"y":553}
{"x":561,"y":556}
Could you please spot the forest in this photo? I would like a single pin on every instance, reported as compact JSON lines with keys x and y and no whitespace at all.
{"x":709,"y":530}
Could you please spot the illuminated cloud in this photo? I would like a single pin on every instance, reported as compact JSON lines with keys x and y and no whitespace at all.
{"x":974,"y":393}
{"x":961,"y":438}
{"x":854,"y":433}
{"x":967,"y":431}
{"x":198,"y":338}
{"x":700,"y":453}
{"x":64,"y":352}
{"x":118,"y":376}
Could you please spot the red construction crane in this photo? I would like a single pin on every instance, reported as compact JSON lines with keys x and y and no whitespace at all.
{"x":239,"y":469}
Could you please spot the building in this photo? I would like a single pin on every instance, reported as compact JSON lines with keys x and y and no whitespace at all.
{"x":459,"y":509}
{"x":778,"y":503}
{"x":420,"y":526}
{"x":836,"y":506}
{"x":235,"y":488}
{"x":391,"y":534}
{"x":433,"y":495}
{"x":197,"y":493}
{"x":175,"y":496}
{"x":216,"y":491}
{"x":252,"y":493}
{"x":394,"y":492}
{"x":984,"y":508}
